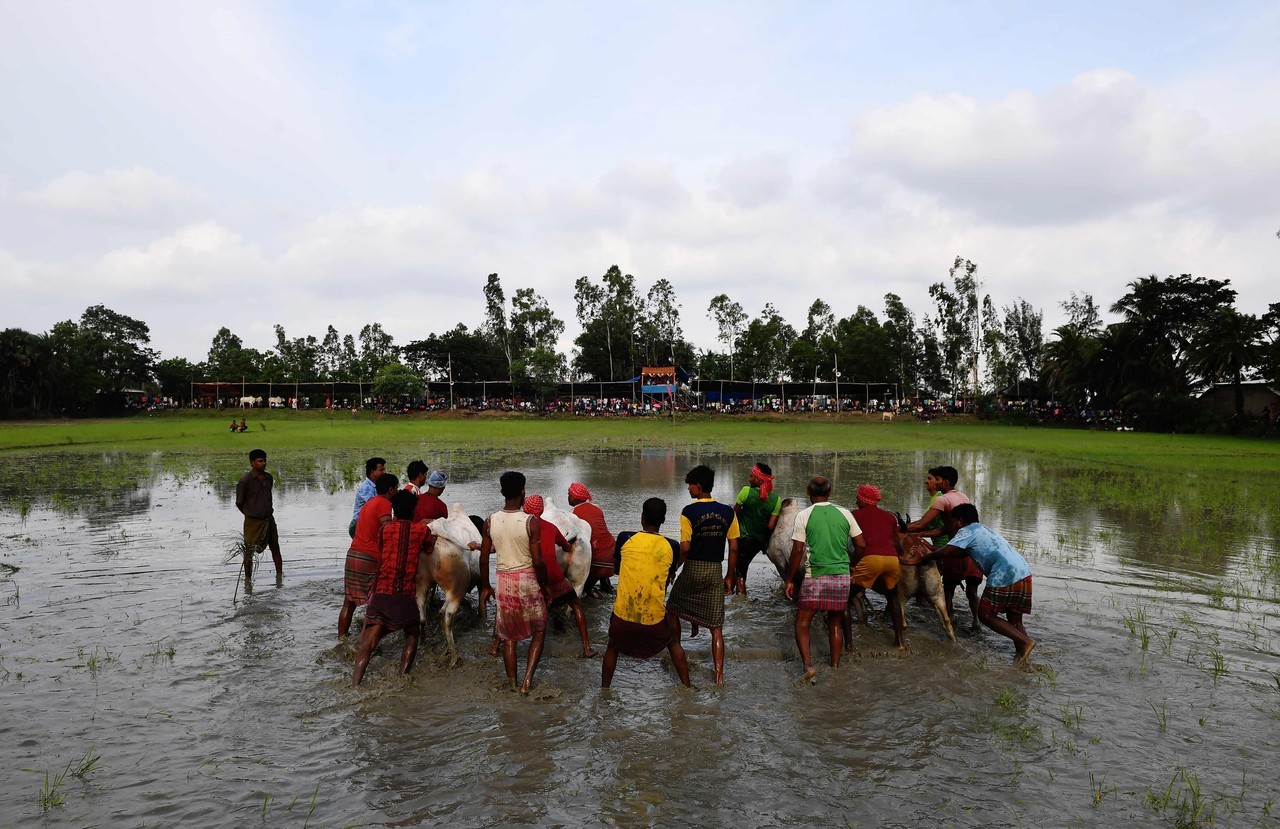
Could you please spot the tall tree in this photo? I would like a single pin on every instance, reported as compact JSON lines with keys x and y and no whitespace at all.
{"x":1024,"y":340}
{"x":764,"y":346}
{"x":1227,"y":347}
{"x":377,"y":348}
{"x":730,"y":321}
{"x":119,"y":346}
{"x":1082,"y":314}
{"x":903,"y":344}
{"x":610,"y":314}
{"x":495,"y":318}
{"x":1162,"y":317}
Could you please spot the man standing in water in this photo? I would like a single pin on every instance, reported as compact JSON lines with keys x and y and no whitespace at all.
{"x":430,"y":506}
{"x":757,"y":510}
{"x":706,"y":526}
{"x":522,"y":609}
{"x":374,"y":468}
{"x":639,"y":625}
{"x":602,"y":541}
{"x":941,"y":481}
{"x":827,"y":528}
{"x":1008,"y":576}
{"x":253,"y":499}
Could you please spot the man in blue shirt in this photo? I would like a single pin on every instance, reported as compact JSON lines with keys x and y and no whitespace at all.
{"x":373,"y":469}
{"x":1008,"y":588}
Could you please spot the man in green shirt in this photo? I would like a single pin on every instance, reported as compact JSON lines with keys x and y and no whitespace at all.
{"x":757,"y":508}
{"x":827,"y":529}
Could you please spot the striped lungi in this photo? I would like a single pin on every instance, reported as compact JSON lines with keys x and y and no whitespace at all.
{"x":824,"y":593}
{"x":698,"y":594}
{"x":1016,"y":598}
{"x":870,"y":568}
{"x":357,"y":576}
{"x":521,"y":608}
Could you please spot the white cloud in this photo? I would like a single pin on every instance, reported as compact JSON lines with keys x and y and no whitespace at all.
{"x":135,"y":195}
{"x":1099,"y":145}
{"x":754,"y":182}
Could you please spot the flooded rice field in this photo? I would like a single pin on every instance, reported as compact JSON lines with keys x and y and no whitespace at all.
{"x":142,"y":685}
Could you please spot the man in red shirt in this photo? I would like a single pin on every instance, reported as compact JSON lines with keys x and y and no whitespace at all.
{"x":362,"y":556}
{"x":875,"y":566}
{"x":602,"y":541}
{"x":430,"y":505}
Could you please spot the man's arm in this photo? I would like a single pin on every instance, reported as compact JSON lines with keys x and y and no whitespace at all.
{"x":534,"y":528}
{"x":732,"y":573}
{"x":859,"y":550}
{"x":924,"y":520}
{"x":793,"y":569}
{"x":241,"y":493}
{"x":486,"y":547}
{"x":948,"y":550}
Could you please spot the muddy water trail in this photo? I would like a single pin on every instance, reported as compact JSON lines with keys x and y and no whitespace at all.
{"x":1153,"y":698}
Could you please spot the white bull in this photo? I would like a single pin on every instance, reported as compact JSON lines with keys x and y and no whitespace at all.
{"x":454,"y":566}
{"x":779,"y":548}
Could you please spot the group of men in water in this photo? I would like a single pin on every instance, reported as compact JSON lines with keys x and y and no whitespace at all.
{"x":835,"y":555}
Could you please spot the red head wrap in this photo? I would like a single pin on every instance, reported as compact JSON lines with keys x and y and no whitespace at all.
{"x":765,"y":482}
{"x":578,"y":491}
{"x":869,"y":494}
{"x":533,"y":505}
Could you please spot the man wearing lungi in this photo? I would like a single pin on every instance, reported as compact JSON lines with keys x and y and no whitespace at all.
{"x":698,"y":594}
{"x":1008,"y":575}
{"x":827,"y":528}
{"x":640,"y":626}
{"x":875,"y":563}
{"x":361,"y":564}
{"x":522,"y":608}
{"x":253,"y":499}
{"x":393,"y":603}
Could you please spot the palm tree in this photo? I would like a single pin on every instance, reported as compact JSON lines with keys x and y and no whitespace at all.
{"x":1226,"y":345}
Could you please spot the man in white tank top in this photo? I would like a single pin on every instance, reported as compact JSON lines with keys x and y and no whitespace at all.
{"x":522,"y":577}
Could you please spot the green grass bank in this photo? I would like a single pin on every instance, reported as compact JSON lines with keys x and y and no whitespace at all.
{"x":276,"y":431}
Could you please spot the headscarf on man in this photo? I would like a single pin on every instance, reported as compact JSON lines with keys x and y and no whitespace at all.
{"x":579,"y":491}
{"x":534,"y":505}
{"x":763,"y":480}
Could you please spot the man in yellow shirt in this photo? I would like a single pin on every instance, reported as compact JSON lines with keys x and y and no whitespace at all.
{"x":640,"y":626}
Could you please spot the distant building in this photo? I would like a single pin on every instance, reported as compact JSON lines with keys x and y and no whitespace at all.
{"x":1221,"y":399}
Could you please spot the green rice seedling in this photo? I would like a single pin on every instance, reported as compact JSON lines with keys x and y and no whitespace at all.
{"x":88,"y":763}
{"x":1099,"y":787}
{"x":1162,"y":715}
{"x":1166,"y":643}
{"x":1217,"y":595}
{"x":1006,"y":699}
{"x":1218,"y":664}
{"x":51,"y":795}
{"x":1071,"y":714}
{"x":312,"y":810}
{"x":266,"y":803}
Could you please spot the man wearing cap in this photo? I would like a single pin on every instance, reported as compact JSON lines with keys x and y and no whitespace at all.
{"x":430,"y":505}
{"x":875,"y":565}
{"x":757,"y":508}
{"x":253,"y":499}
{"x":826,"y":528}
{"x":602,"y":541}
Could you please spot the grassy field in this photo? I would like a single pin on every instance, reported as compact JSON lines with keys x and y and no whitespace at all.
{"x":206,"y":433}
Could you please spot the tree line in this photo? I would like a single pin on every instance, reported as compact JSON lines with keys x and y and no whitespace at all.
{"x":1173,"y":337}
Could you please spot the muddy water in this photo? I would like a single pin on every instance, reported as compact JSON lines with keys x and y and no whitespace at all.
{"x":125,"y":635}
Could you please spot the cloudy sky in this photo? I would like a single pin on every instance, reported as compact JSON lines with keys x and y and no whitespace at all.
{"x":197,"y":165}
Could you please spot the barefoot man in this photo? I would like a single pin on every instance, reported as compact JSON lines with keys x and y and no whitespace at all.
{"x":639,"y":625}
{"x":697,"y":596}
{"x":1008,"y":576}
{"x":827,"y":528}
{"x":253,"y":499}
{"x":522,"y":608}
